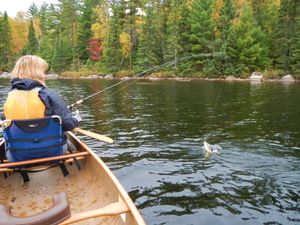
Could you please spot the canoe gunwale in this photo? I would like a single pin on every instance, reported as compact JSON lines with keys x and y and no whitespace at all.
{"x":122,"y":192}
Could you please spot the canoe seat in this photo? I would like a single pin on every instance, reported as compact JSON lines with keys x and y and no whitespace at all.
{"x":57,"y":213}
{"x":33,"y":138}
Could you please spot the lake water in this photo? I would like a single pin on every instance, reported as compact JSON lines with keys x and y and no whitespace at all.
{"x":159,"y":128}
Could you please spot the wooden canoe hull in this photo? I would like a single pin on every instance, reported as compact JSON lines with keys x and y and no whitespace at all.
{"x":93,"y":192}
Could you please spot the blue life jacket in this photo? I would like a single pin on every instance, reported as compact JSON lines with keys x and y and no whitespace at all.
{"x":35,"y":138}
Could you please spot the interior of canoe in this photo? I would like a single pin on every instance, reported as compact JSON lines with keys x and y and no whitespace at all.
{"x":88,"y":189}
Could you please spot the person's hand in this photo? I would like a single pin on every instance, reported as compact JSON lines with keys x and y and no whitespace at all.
{"x":76,"y":115}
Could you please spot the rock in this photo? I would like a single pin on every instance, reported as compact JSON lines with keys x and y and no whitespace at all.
{"x":154,"y":78}
{"x":181,"y":79}
{"x":126,"y":78}
{"x":256,"y":76}
{"x":5,"y":75}
{"x":288,"y":78}
{"x":93,"y":76}
{"x":109,"y":76}
{"x":230,"y":78}
{"x":52,"y":76}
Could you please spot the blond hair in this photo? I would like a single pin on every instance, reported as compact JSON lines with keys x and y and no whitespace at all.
{"x":30,"y":67}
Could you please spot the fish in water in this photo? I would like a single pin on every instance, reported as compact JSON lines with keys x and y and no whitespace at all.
{"x":209,"y":149}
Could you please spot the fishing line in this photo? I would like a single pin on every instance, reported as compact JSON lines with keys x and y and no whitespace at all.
{"x":219,"y":94}
{"x":143,"y":73}
{"x":114,"y":93}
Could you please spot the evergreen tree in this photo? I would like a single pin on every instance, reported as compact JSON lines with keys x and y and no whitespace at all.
{"x":45,"y":48}
{"x":147,"y":55}
{"x":172,"y":34}
{"x":61,"y":56}
{"x":227,"y":14}
{"x":221,"y":64}
{"x":32,"y":43}
{"x":112,"y":52}
{"x":296,"y":45}
{"x":68,"y":20}
{"x":285,"y":35}
{"x":32,"y":11}
{"x":184,"y":27}
{"x":245,"y":47}
{"x":84,"y":32}
{"x":202,"y":30}
{"x":43,"y":18}
{"x":131,"y":28}
{"x":5,"y":42}
{"x":266,"y":14}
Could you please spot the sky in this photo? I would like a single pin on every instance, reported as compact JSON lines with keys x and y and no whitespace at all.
{"x":14,"y":6}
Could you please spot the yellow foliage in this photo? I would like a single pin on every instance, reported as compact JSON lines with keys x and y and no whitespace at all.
{"x":125,"y":42}
{"x":217,"y":8}
{"x":99,"y":28}
{"x":99,"y":31}
{"x":37,"y":27}
{"x":19,"y":32}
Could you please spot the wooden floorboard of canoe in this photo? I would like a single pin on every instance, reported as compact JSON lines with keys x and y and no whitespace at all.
{"x":94,"y":193}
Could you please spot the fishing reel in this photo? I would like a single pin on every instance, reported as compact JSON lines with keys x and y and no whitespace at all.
{"x":76,"y":115}
{"x":75,"y":111}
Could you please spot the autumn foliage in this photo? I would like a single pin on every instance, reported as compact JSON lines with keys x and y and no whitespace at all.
{"x":94,"y":50}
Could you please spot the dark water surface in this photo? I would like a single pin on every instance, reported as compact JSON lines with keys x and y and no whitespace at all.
{"x":159,"y":128}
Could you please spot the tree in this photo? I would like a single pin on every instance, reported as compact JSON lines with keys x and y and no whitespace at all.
{"x":184,"y":31}
{"x":5,"y":42}
{"x":245,"y":45}
{"x":266,"y":14}
{"x":227,"y":15}
{"x":100,"y":23}
{"x":112,"y":51}
{"x":94,"y":50}
{"x":295,"y":61}
{"x":85,"y":32}
{"x":173,"y":35}
{"x":285,"y":34}
{"x":147,"y":53}
{"x":202,"y":31}
{"x":43,"y":17}
{"x":32,"y":11}
{"x":221,"y":65}
{"x":45,"y":48}
{"x":61,"y":56}
{"x":19,"y":32}
{"x":32,"y":42}
{"x":125,"y":43}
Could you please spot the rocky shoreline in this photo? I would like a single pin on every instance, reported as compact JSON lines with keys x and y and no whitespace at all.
{"x":255,"y":77}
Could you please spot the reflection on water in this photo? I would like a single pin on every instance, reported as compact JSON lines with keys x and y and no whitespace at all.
{"x":159,"y":128}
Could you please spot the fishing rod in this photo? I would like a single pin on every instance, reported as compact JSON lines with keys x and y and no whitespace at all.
{"x":144,"y":73}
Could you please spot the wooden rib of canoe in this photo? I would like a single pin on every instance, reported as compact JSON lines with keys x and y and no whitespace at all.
{"x":94,"y":194}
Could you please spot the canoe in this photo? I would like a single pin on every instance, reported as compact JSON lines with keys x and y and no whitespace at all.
{"x":90,"y":195}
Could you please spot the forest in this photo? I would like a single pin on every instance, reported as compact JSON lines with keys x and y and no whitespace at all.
{"x":124,"y":37}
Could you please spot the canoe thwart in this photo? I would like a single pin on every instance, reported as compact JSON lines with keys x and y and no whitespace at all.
{"x":57,"y":213}
{"x":43,"y":160}
{"x":112,"y":209}
{"x":40,"y":167}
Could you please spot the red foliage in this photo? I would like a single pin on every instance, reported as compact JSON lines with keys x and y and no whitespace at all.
{"x":95,"y":49}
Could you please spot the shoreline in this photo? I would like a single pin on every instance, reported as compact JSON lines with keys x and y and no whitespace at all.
{"x":153,"y":78}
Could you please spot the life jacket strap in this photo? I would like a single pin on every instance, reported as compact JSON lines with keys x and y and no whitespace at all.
{"x":39,"y":148}
{"x":64,"y":169}
{"x":35,"y":140}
